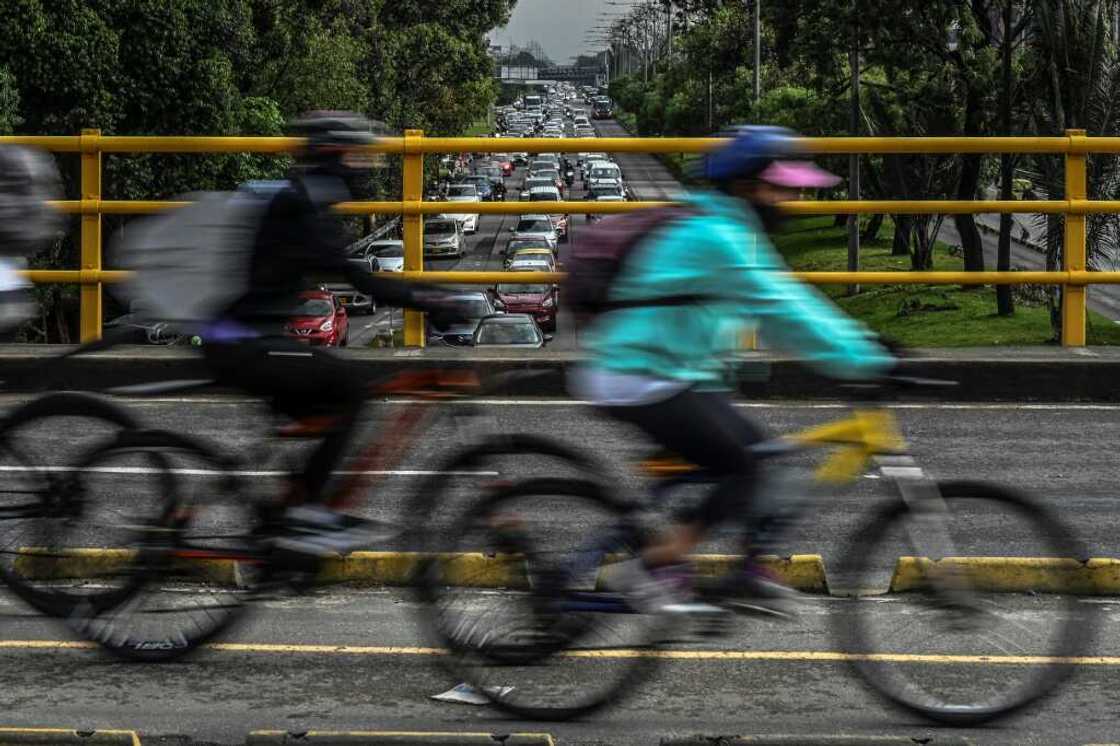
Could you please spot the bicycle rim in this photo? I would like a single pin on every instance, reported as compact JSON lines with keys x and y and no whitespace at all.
{"x":524,"y":647}
{"x":64,"y":531}
{"x":949,"y":647}
{"x":200,"y":571}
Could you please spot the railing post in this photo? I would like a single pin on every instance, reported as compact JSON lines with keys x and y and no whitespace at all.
{"x":1073,"y":249}
{"x":413,"y":191}
{"x":90,"y":322}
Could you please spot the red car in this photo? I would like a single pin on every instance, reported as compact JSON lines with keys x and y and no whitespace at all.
{"x":539,"y":301}
{"x":507,"y":165}
{"x":320,"y":320}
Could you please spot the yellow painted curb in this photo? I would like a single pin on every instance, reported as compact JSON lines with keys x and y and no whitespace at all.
{"x":396,"y":738}
{"x":75,"y":563}
{"x":1014,"y":574}
{"x":804,"y":572}
{"x":468,"y":569}
{"x":66,"y":737}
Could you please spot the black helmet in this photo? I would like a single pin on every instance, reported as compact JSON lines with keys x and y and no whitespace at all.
{"x":330,"y":134}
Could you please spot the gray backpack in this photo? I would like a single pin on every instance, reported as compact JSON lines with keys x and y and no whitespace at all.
{"x":192,"y":263}
{"x":29,"y":178}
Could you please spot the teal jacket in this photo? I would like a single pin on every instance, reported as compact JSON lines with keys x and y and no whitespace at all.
{"x":722,"y":253}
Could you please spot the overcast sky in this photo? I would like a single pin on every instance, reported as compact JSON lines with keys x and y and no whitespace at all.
{"x":559,"y":25}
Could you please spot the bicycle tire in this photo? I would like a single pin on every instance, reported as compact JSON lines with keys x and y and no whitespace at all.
{"x":1075,"y":633}
{"x":473,"y":662}
{"x":56,"y":494}
{"x":167,"y":581}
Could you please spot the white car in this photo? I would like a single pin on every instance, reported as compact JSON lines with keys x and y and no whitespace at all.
{"x":602,"y":171}
{"x":533,"y":183}
{"x":443,"y":236}
{"x":538,"y":228}
{"x":390,"y":255}
{"x":465,"y":193}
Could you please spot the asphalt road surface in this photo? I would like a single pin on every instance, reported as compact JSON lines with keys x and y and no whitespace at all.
{"x":352,"y":659}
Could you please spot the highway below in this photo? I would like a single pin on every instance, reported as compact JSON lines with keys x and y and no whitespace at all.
{"x":352,"y":658}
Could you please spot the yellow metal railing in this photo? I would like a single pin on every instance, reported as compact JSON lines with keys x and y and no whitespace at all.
{"x":1074,"y":146}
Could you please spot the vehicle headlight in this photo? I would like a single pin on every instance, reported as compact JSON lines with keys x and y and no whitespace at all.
{"x":327,"y":326}
{"x":548,"y":303}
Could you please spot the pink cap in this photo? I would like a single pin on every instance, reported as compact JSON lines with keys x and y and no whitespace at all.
{"x":798,"y":175}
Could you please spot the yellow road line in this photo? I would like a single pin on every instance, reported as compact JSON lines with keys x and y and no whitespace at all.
{"x":621,"y":653}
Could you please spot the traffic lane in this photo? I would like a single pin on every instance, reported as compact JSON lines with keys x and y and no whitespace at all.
{"x":647,"y":177}
{"x":354,"y":661}
{"x":1042,"y":449}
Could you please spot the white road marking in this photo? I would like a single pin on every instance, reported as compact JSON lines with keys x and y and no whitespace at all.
{"x":1009,"y":406}
{"x":240,"y":472}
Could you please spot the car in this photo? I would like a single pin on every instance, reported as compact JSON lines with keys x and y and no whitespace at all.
{"x":557,"y":180}
{"x":581,"y":120}
{"x":505,"y":161}
{"x":138,"y":327}
{"x":320,"y":320}
{"x":390,"y":255}
{"x":517,"y":244}
{"x":606,"y":191}
{"x":602,"y":171}
{"x":465,"y":193}
{"x":482,"y":183}
{"x":517,"y":330}
{"x":532,"y":265}
{"x":538,"y":228}
{"x":551,"y":194}
{"x":443,"y":236}
{"x":475,"y":305}
{"x":537,"y":252}
{"x":535,"y":182}
{"x":536,"y":300}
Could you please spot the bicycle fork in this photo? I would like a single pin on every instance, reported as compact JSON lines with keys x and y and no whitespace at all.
{"x":927,"y":526}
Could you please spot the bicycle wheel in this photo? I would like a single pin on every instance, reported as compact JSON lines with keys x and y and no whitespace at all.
{"x":924,"y":649}
{"x":550,"y":645}
{"x":198,"y":571}
{"x":64,"y":534}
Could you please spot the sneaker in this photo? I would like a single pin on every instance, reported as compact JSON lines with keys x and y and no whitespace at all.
{"x":757,"y":589}
{"x":318,"y":531}
{"x":659,"y":591}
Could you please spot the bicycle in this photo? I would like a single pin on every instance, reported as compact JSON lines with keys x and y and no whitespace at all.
{"x":568,"y":647}
{"x":52,"y":511}
{"x":202,"y":568}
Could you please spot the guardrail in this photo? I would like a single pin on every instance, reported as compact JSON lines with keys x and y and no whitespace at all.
{"x":1075,"y":146}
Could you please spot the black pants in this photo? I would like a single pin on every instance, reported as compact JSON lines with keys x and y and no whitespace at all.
{"x":705,"y":429}
{"x":299,"y":381}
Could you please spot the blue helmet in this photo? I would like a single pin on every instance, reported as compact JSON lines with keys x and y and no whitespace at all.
{"x":752,"y":149}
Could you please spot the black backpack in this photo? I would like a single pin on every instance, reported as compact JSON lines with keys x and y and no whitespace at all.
{"x":599,"y":255}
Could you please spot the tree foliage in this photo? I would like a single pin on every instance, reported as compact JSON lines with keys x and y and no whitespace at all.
{"x":230,"y":67}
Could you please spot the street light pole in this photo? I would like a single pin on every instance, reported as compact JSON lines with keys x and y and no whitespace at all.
{"x":757,"y":51}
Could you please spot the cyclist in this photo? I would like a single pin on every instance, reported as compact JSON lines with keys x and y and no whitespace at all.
{"x":660,"y":368}
{"x":248,"y":349}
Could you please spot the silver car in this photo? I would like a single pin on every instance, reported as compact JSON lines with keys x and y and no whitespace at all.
{"x":443,"y":237}
{"x":515,"y":330}
{"x":538,"y":228}
{"x":390,"y":255}
{"x":465,"y":193}
{"x":475,"y":305}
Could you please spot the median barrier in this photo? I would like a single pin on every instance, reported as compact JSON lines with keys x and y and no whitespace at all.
{"x":988,"y":374}
{"x":806,"y":573}
{"x":67,"y":737}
